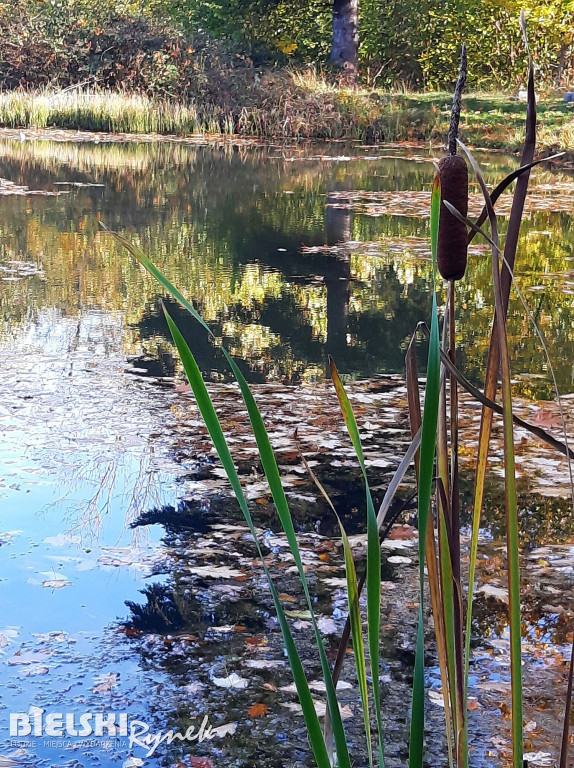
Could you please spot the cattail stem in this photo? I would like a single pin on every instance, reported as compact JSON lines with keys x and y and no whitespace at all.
{"x":457,"y":103}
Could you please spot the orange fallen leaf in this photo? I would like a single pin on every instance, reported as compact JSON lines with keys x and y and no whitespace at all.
{"x":257,"y":641}
{"x":287,"y":598}
{"x":547,"y":417}
{"x":402,"y":532}
{"x":258,"y":710}
{"x":324,"y":557}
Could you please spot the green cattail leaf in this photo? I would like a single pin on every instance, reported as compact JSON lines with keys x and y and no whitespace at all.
{"x":271,"y":470}
{"x":357,"y":635}
{"x":211,"y":421}
{"x":273,"y":478}
{"x":426,"y":473}
{"x":373,"y":556}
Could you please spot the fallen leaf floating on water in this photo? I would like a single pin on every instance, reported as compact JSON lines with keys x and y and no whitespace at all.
{"x":233,"y":681}
{"x":327,"y":625}
{"x":58,"y":636}
{"x":258,"y":710}
{"x":28,"y":657}
{"x":316,"y":685}
{"x":539,"y":758}
{"x":320,"y":709}
{"x":547,"y":417}
{"x":215,"y":572}
{"x":10,"y":188}
{"x":436,"y":698}
{"x":499,"y":593}
{"x":263,"y":663}
{"x":133,"y":762}
{"x":105,"y":683}
{"x":34,"y":670}
{"x":55,"y":580}
{"x":193,"y":687}
{"x":200,"y":762}
{"x":403,"y":532}
{"x":6,"y":637}
{"x":56,"y":583}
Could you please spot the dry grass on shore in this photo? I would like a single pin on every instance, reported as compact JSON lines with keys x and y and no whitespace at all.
{"x":284,"y":104}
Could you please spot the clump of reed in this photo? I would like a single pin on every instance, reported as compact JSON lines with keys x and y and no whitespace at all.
{"x":108,"y":111}
{"x":434,"y":450}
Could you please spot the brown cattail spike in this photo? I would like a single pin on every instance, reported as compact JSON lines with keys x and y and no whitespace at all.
{"x":452,"y":233}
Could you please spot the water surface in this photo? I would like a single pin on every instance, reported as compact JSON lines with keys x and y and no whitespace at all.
{"x":290,"y":254}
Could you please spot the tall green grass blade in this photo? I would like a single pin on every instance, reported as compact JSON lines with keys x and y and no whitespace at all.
{"x":357,"y":635}
{"x":271,"y":470}
{"x":384,"y":523}
{"x":426,"y":472}
{"x":373,"y":555}
{"x":354,"y":618}
{"x":512,"y":538}
{"x":213,"y":425}
{"x":444,"y":516}
{"x":499,"y":189}
{"x":273,"y":478}
{"x":447,"y":585}
{"x":415,"y":419}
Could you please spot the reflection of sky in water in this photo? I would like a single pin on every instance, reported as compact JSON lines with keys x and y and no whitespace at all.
{"x":77,"y":464}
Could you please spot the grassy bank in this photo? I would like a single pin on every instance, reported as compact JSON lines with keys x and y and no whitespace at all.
{"x":286,"y":105}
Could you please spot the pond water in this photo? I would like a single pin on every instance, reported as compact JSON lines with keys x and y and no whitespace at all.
{"x":290,"y":254}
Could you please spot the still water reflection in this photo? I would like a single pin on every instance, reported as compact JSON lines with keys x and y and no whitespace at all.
{"x":286,"y":272}
{"x":231,"y":228}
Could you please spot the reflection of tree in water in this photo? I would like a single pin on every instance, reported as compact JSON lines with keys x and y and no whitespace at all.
{"x":361,"y":342}
{"x":228,"y":226}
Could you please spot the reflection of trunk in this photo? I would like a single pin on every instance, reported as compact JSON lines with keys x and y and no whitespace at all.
{"x":337,"y":283}
{"x":345,"y":51}
{"x":337,"y":222}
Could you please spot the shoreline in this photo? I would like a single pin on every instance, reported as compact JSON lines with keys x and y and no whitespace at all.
{"x":287,"y":112}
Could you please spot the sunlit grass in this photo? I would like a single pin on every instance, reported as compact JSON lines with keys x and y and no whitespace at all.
{"x":106,"y":111}
{"x":297,"y":103}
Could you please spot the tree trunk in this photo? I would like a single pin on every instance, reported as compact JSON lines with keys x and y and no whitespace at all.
{"x":345,"y":51}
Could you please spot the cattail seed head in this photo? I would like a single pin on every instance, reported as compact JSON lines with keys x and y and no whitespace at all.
{"x":452,"y":233}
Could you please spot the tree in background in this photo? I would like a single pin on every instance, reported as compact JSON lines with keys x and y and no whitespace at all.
{"x":345,"y":48}
{"x":165,"y":46}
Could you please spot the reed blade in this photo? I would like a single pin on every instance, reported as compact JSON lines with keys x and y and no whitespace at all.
{"x":353,"y":621}
{"x":493,"y":360}
{"x":213,"y":425}
{"x":446,"y":533}
{"x":426,"y":472}
{"x":373,"y":556}
{"x":415,"y":420}
{"x":512,"y":537}
{"x":357,"y":636}
{"x":273,"y":478}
